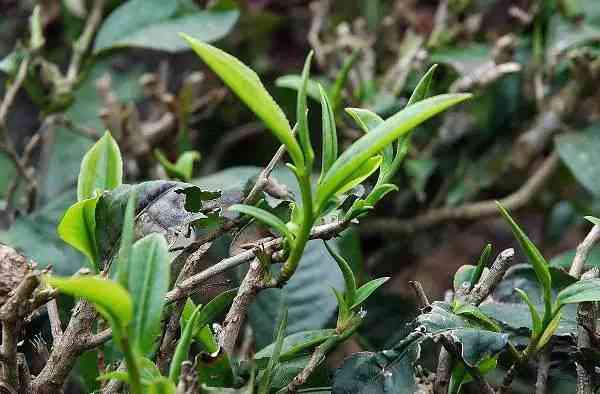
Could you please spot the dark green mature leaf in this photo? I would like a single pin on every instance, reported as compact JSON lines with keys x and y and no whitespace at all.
{"x":383,"y":372}
{"x":330,"y":142}
{"x":162,"y":206}
{"x":248,"y":87}
{"x":214,"y":369}
{"x":536,"y":259}
{"x":374,"y":141}
{"x":101,"y":168}
{"x":110,"y":298}
{"x":295,"y":344}
{"x":154,"y":24}
{"x":210,"y":311}
{"x":265,"y":217}
{"x":478,"y":345}
{"x":463,"y":277}
{"x":579,"y":153}
{"x":78,"y":228}
{"x":585,"y":290}
{"x":148,"y":282}
{"x":366,"y":290}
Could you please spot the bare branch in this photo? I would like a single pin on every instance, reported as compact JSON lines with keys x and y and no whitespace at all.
{"x":583,"y":250}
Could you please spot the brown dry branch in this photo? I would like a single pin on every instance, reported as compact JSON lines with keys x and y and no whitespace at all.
{"x":395,"y":227}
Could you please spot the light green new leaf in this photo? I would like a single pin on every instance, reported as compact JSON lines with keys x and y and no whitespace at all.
{"x":549,"y":331}
{"x":380,"y":191}
{"x":302,"y":114}
{"x":536,"y":320}
{"x":78,"y":228}
{"x":101,"y":168}
{"x":127,"y":238}
{"x":210,"y":311}
{"x":585,"y":290}
{"x":265,"y":383}
{"x":295,"y":344}
{"x":362,"y":173}
{"x":110,"y":298}
{"x":538,"y":262}
{"x":366,"y":290}
{"x":265,"y":217}
{"x":368,"y":121}
{"x":183,"y":346}
{"x":347,"y":273}
{"x":423,"y":87}
{"x":377,"y":139}
{"x":247,"y":85}
{"x":184,"y":166}
{"x":330,"y":141}
{"x":161,"y":385}
{"x":148,"y":282}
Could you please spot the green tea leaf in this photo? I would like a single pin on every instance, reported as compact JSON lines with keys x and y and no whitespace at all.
{"x":335,"y":93}
{"x":585,"y":290}
{"x":483,"y":262}
{"x":330,"y":139}
{"x":78,"y":228}
{"x":183,"y":346}
{"x":549,"y":331}
{"x":376,"y":140}
{"x":302,"y":114}
{"x":265,"y":383}
{"x":110,"y":298}
{"x":423,"y":87}
{"x":101,"y":168}
{"x":361,"y":173}
{"x":536,"y":259}
{"x":295,"y":344}
{"x":148,"y":282}
{"x":127,"y":238}
{"x":366,"y":290}
{"x":210,"y":311}
{"x":247,"y":85}
{"x":349,"y":279}
{"x":265,"y":217}
{"x":294,"y":82}
{"x":536,"y":320}
{"x":161,"y":385}
{"x":183,"y":168}
{"x":473,"y":313}
{"x":594,"y":220}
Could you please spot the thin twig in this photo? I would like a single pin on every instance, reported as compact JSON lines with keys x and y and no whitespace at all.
{"x":54,"y":317}
{"x":583,"y":250}
{"x":488,"y":283}
{"x":516,"y":200}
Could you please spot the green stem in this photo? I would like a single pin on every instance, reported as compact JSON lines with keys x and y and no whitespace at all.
{"x":303,"y":233}
{"x":135,"y":385}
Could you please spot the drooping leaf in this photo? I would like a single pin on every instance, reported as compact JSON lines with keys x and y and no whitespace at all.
{"x":330,"y":142}
{"x":265,"y":217}
{"x":247,"y":85}
{"x":295,"y":344}
{"x":101,"y":168}
{"x":366,"y":290}
{"x":536,"y":259}
{"x":78,"y":228}
{"x":377,"y":139}
{"x":536,"y":320}
{"x":148,"y":282}
{"x":110,"y":298}
{"x":154,"y":24}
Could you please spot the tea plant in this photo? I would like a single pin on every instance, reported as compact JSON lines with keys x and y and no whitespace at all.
{"x":130,"y":235}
